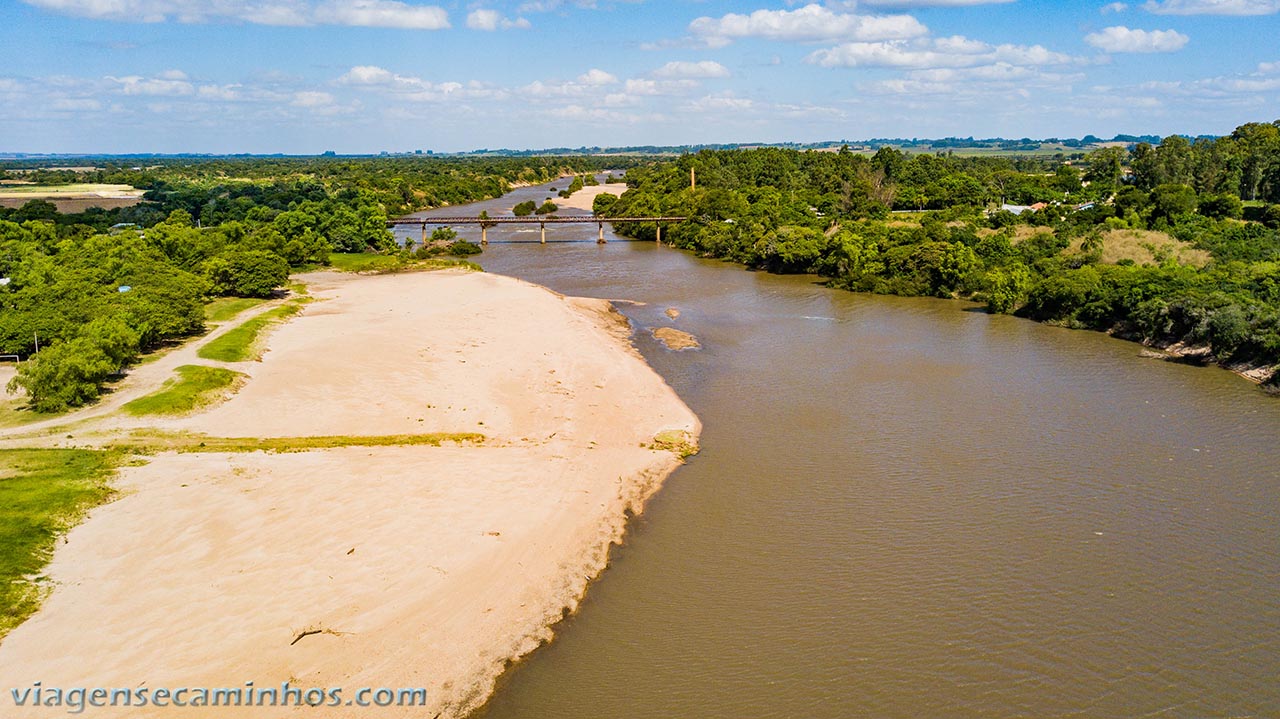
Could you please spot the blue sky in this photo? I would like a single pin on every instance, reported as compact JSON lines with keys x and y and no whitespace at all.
{"x":360,"y":76}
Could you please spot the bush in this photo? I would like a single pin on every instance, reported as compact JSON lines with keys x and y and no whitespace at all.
{"x":254,"y":273}
{"x":524,"y":209}
{"x":547,"y":208}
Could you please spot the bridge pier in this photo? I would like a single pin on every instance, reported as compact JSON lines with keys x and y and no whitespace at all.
{"x":659,"y":235}
{"x":484,"y":235}
{"x":600,"y":239}
{"x":424,"y":234}
{"x":544,"y":233}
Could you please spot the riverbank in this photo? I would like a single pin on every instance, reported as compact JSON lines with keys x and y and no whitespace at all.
{"x":367,"y":566}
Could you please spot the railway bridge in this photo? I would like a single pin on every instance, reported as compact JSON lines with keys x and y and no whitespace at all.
{"x":543,"y":220}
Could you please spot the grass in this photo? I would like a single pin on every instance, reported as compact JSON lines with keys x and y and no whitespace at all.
{"x":375,"y":264}
{"x":1146,"y":247}
{"x":53,"y":191}
{"x":241,"y":343}
{"x":365,"y":262}
{"x":149,"y":440}
{"x":43,"y":492}
{"x":225,"y":308}
{"x":196,"y":386}
{"x":676,"y":441}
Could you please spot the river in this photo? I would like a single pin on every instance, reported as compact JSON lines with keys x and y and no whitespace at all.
{"x":906,"y":507}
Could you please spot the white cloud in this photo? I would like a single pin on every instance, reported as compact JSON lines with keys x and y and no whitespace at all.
{"x":382,"y":13}
{"x":595,"y":76}
{"x":152,"y":86}
{"x":220,"y":92}
{"x":311,"y":98}
{"x":415,"y":89}
{"x":931,"y":3}
{"x":490,"y":20}
{"x":1213,"y":7}
{"x":956,"y":51}
{"x":643,"y":86}
{"x":807,"y":24}
{"x":703,"y":69}
{"x":1116,"y":7}
{"x":723,"y":101}
{"x":358,"y":13}
{"x":1123,"y":39}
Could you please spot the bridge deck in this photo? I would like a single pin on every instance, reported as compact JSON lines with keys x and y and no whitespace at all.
{"x":530,"y":220}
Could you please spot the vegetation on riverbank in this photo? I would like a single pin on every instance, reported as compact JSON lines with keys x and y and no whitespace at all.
{"x":194,"y":387}
{"x":934,"y":225}
{"x":43,"y":492}
{"x":92,"y":292}
{"x":241,"y":344}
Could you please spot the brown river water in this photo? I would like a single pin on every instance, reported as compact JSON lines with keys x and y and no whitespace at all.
{"x":907,"y":507}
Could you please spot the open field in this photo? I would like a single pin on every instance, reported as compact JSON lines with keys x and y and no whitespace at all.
{"x":71,"y":198}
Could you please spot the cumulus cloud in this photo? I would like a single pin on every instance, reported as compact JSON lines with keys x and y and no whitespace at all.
{"x":703,"y":69}
{"x":596,"y":76}
{"x":416,"y":89}
{"x":1122,"y":39}
{"x":1213,"y":7}
{"x":931,"y":3}
{"x":174,"y":85}
{"x":490,"y":20}
{"x":956,"y":51}
{"x":357,"y":13}
{"x":810,"y":23}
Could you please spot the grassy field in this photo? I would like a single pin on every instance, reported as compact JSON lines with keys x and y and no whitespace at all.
{"x":43,"y":492}
{"x":195,"y":387}
{"x":225,"y":308}
{"x":241,"y":344}
{"x":36,"y":192}
{"x":365,"y":262}
{"x":372,"y":263}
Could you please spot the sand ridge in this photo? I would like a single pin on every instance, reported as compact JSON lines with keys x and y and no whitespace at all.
{"x":405,"y":566}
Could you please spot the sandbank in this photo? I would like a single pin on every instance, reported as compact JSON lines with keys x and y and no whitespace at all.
{"x":406,"y":566}
{"x":583,"y":199}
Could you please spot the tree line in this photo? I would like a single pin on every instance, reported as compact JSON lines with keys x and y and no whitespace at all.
{"x":933,"y":224}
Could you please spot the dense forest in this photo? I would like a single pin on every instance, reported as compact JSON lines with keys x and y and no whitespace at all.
{"x":92,"y":291}
{"x":1175,"y":244}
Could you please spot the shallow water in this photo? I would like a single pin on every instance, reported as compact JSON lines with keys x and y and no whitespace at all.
{"x":908,"y":508}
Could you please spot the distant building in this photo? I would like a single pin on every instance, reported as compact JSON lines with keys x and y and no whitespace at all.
{"x":1015,"y":209}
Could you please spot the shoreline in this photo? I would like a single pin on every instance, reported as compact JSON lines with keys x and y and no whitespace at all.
{"x":401,"y":566}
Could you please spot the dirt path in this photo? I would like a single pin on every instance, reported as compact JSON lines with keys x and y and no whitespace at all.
{"x":142,"y":379}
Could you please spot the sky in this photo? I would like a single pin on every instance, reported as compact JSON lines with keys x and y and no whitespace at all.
{"x":367,"y":76}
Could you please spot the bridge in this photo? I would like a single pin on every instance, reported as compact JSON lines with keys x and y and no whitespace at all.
{"x":542,"y":220}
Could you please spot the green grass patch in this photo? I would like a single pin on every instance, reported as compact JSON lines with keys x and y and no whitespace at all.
{"x":365,"y":262}
{"x":242,"y":343}
{"x":195,"y":387}
{"x":43,"y":492}
{"x":150,"y":441}
{"x":225,"y":308}
{"x":374,"y":264}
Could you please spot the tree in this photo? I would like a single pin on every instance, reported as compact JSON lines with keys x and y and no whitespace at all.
{"x":1219,"y":206}
{"x":527,"y":207}
{"x":64,"y":375}
{"x":1170,"y":200}
{"x":250,"y":273}
{"x":547,"y":208}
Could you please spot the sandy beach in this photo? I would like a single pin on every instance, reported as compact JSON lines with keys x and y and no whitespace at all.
{"x":583,"y":199}
{"x":397,"y":567}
